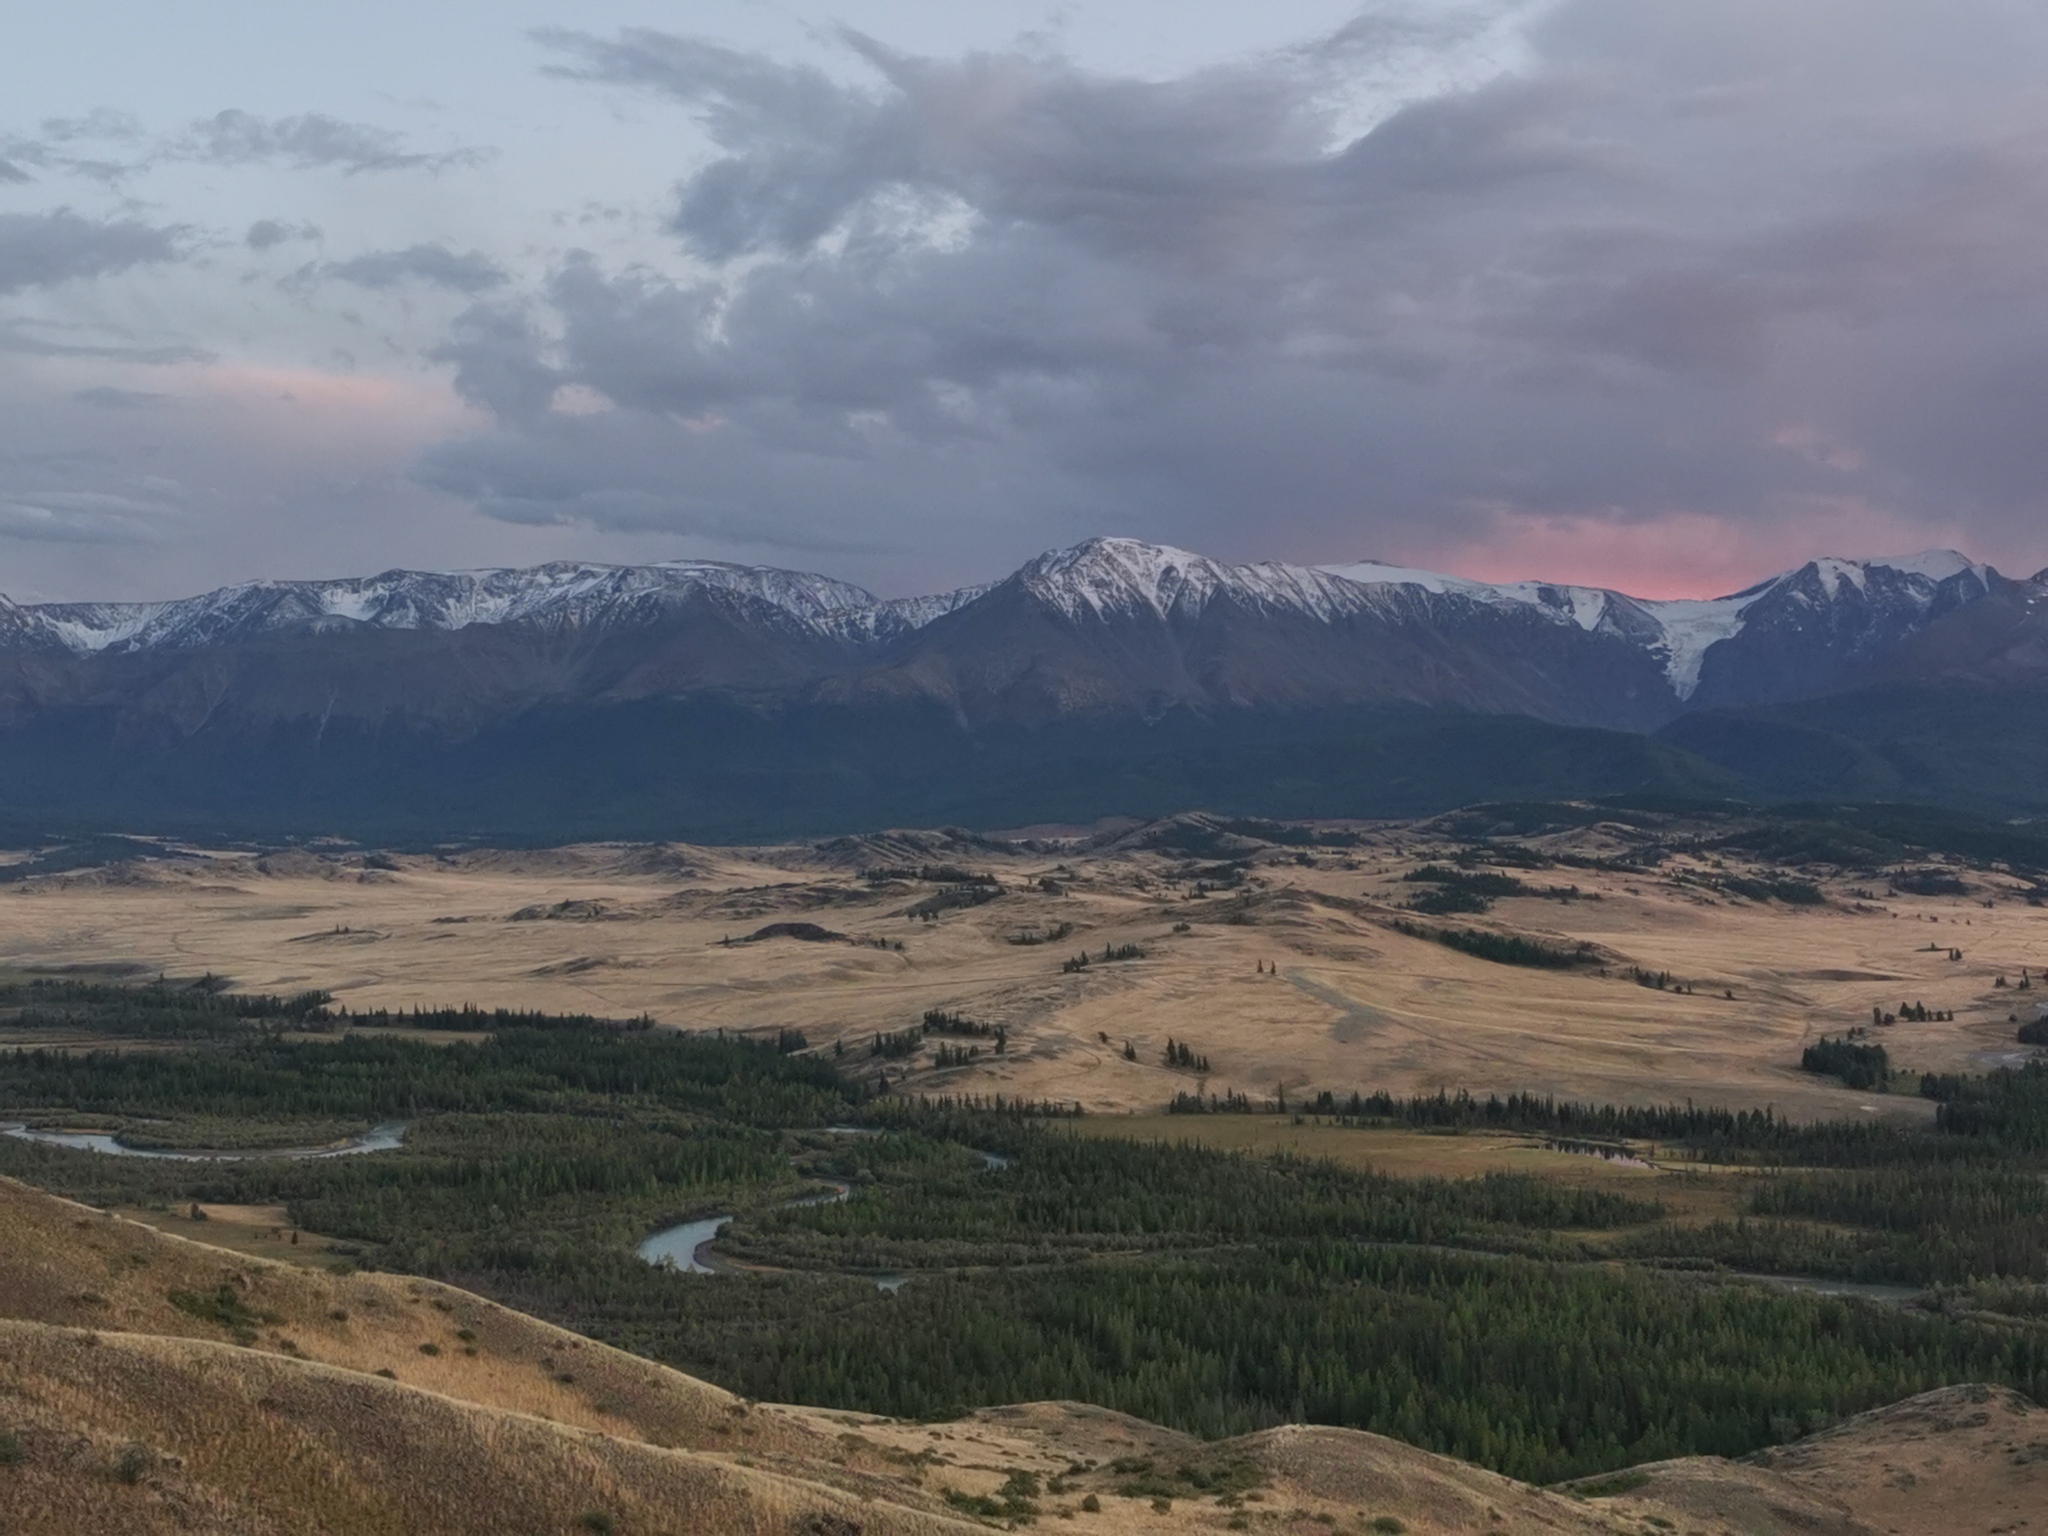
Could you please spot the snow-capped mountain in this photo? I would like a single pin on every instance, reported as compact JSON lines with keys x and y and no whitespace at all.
{"x":1104,"y":678}
{"x":1860,"y":604}
{"x":563,"y":595}
{"x":1110,"y":624}
{"x":1797,"y":633}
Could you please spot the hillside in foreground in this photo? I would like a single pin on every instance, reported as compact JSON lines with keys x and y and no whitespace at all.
{"x":149,"y":1383}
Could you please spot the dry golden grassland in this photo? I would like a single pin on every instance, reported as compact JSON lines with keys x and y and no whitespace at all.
{"x":1297,"y":981}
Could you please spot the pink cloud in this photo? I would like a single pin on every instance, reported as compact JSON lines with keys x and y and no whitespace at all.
{"x":1682,"y":554}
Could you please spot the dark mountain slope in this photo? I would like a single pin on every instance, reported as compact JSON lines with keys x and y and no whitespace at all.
{"x":1829,"y":624}
{"x":1019,"y":654}
{"x":712,"y":769}
{"x":1958,"y":744}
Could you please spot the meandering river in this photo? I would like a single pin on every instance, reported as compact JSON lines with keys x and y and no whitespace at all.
{"x":686,"y":1247}
{"x":382,"y":1138}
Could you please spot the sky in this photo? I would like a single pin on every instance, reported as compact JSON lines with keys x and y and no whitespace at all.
{"x":1653,"y":295}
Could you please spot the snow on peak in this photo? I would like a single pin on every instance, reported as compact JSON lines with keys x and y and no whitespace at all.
{"x":564,"y":593}
{"x":1937,"y":565}
{"x":1834,"y":572}
{"x":1110,"y":575}
{"x":1586,"y":607}
{"x":1372,"y":573}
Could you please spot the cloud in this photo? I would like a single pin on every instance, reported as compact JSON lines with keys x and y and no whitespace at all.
{"x":310,"y":140}
{"x":113,"y":399}
{"x":26,"y":339}
{"x":12,"y":174}
{"x":434,"y":265}
{"x":986,"y":301}
{"x":79,"y":517}
{"x":265,"y":233}
{"x":100,"y":124}
{"x":43,"y":249}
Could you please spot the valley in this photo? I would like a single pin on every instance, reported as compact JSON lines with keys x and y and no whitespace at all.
{"x":1469,"y":1174}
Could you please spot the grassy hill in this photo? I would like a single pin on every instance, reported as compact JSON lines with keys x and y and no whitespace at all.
{"x":149,"y":1383}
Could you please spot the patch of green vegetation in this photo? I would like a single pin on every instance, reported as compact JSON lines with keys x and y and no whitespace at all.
{"x":225,"y":1309}
{"x":1858,"y":1066}
{"x":1479,"y":882}
{"x":1222,"y":1480}
{"x":1794,"y":893}
{"x":1612,"y":1486}
{"x":1504,"y":948}
{"x":198,"y":1009}
{"x":1014,"y":1501}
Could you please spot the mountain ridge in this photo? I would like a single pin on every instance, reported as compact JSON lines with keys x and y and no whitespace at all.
{"x":1101,"y":579}
{"x":1111,"y":677}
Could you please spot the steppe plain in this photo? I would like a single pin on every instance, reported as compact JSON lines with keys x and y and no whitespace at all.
{"x":1285,"y":966}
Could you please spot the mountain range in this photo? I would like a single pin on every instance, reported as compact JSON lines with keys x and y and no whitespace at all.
{"x":698,"y":696}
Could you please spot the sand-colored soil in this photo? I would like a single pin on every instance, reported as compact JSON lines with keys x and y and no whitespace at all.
{"x":1297,"y":980}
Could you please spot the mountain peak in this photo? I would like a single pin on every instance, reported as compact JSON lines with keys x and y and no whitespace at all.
{"x":1102,"y":576}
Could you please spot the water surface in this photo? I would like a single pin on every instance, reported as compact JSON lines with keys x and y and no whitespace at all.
{"x":382,"y":1138}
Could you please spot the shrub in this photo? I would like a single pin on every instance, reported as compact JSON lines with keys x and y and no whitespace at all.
{"x":1613,"y":1485}
{"x":224,"y":1308}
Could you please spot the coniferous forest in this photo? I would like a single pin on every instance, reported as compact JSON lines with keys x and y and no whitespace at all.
{"x":1541,"y":1329}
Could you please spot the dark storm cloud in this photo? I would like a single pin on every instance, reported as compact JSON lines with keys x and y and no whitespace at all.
{"x":435,"y":265}
{"x":1728,"y":260}
{"x":307,"y":141}
{"x":42,"y":249}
